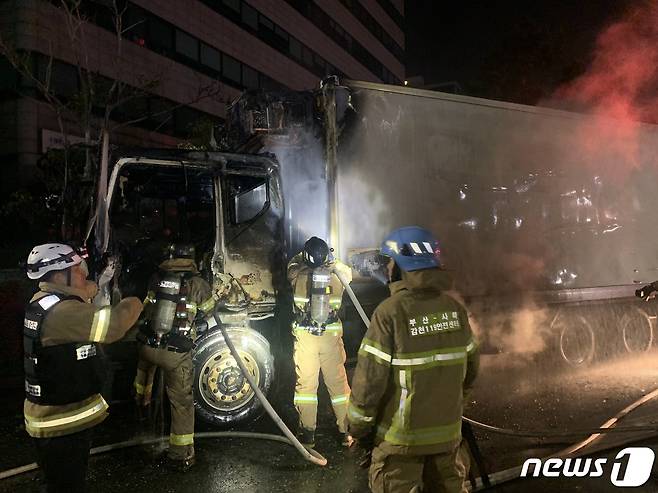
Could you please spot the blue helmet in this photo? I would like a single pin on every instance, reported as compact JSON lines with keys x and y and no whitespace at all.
{"x":412,"y":248}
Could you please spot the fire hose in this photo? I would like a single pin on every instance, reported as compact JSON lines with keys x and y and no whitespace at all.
{"x":605,"y":428}
{"x":496,"y":478}
{"x":353,"y":297}
{"x":515,"y":472}
{"x":316,"y":458}
{"x":551,"y":433}
{"x":149,"y":441}
{"x":289,"y":438}
{"x":308,"y":454}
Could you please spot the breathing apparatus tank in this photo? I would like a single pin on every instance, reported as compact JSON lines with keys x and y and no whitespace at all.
{"x":320,"y":293}
{"x":167,"y":306}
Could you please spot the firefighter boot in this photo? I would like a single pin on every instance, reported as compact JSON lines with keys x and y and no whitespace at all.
{"x":306,"y":437}
{"x":180,"y":465}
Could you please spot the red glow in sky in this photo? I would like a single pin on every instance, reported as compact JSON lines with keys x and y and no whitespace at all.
{"x":621,"y":85}
{"x":622,"y":80}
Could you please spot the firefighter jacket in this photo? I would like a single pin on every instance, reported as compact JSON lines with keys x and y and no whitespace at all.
{"x":199,"y":296}
{"x":300,"y":276}
{"x":70,"y":319}
{"x":415,"y":361}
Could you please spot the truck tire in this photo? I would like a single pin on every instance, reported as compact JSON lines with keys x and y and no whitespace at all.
{"x":222,"y":395}
{"x":577,"y":340}
{"x":637,"y":331}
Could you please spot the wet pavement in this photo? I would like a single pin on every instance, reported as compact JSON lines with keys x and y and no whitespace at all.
{"x":513,"y":392}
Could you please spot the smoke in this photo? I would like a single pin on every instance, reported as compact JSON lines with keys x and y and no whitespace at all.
{"x":621,"y":80}
{"x":368,"y":211}
{"x":304,"y":184}
{"x":523,"y":329}
{"x":528,"y":331}
{"x":621,"y":85}
{"x":522,"y":199}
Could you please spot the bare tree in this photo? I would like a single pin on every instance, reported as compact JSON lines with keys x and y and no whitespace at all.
{"x":110,"y":92}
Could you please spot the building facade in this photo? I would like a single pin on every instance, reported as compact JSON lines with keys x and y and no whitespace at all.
{"x":173,"y":52}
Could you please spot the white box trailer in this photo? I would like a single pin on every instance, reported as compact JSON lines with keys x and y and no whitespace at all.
{"x":545,"y":217}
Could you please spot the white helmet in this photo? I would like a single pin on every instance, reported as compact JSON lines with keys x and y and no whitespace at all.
{"x":51,"y":257}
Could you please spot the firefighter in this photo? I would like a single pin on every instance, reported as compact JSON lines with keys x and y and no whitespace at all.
{"x":178,"y":302}
{"x":318,"y":336}
{"x":63,"y":368}
{"x":415,"y":361}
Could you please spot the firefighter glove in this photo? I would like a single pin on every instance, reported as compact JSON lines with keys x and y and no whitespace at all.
{"x":300,"y":315}
{"x":108,"y":272}
{"x":200,"y":322}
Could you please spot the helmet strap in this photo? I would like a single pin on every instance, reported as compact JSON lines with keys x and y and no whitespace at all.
{"x":68,"y":277}
{"x":396,"y":274}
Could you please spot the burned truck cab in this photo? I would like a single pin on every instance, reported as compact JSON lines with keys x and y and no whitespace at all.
{"x":230,"y":208}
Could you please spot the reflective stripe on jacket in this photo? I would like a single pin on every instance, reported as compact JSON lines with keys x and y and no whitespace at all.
{"x":75,"y":321}
{"x":414,"y":363}
{"x":49,"y":421}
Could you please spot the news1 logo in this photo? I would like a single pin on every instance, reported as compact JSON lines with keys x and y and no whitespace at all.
{"x":631,"y":467}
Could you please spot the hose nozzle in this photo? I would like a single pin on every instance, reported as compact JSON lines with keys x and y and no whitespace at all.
{"x":645,"y":292}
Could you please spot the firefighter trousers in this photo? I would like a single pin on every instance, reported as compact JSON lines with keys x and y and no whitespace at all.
{"x":64,"y":460}
{"x":144,"y":382}
{"x":178,"y":377}
{"x":436,"y":473}
{"x":313,"y":354}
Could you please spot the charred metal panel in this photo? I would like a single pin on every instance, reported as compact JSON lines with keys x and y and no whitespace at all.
{"x":255,"y":255}
{"x":153,"y":188}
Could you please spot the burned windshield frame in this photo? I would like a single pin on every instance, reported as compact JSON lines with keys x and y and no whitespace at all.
{"x":151,"y":199}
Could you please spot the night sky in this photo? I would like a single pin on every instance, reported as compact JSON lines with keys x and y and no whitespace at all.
{"x":518,"y":51}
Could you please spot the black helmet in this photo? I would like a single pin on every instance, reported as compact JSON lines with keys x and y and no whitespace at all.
{"x":316,"y":252}
{"x":182,"y":250}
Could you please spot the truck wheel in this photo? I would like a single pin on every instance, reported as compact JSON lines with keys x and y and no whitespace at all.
{"x":577,"y":341}
{"x":637,"y":331}
{"x":222,"y":395}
